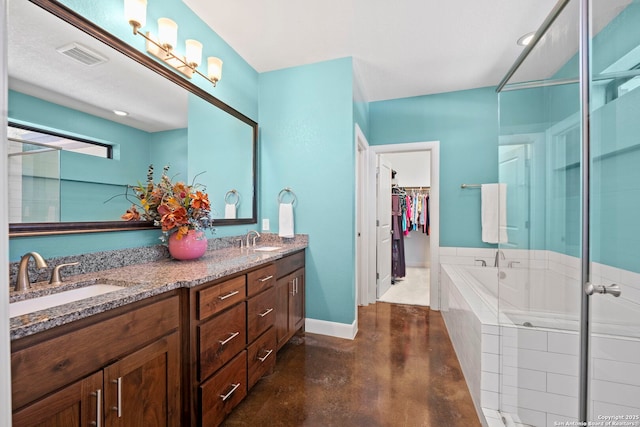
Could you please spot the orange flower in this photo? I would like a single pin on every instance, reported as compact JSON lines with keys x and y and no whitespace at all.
{"x":180,"y":190}
{"x":182,"y":231}
{"x":200,"y":201}
{"x":174,"y":218}
{"x":132,"y":214}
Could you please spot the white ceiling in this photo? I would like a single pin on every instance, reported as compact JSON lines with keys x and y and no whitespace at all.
{"x":400,"y":48}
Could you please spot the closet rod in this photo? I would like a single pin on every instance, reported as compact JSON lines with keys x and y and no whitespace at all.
{"x":416,"y":188}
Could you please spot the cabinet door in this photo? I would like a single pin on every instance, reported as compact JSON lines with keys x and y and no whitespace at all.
{"x":143,"y":389}
{"x":284,"y":285}
{"x":79,"y":404}
{"x":296,"y":302}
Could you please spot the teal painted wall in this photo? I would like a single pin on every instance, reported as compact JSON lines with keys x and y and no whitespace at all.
{"x":466,"y":124}
{"x":306,"y":140}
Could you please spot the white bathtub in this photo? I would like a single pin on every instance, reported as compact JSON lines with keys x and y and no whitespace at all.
{"x":545,"y":298}
{"x":517,"y":341}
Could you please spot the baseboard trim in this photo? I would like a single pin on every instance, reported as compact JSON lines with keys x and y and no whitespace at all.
{"x":332,"y":329}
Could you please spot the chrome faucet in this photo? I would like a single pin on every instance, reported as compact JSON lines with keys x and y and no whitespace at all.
{"x":254,"y":237}
{"x":499,"y":254}
{"x":22,"y":280}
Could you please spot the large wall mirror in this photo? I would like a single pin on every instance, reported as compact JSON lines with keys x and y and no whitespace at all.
{"x":57,"y":101}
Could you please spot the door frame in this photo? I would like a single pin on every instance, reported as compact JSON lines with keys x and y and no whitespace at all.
{"x":367,"y":291}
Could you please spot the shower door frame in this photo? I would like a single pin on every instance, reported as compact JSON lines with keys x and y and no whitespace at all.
{"x":584,"y":81}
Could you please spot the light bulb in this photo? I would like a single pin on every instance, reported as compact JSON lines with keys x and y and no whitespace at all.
{"x":193,"y":54}
{"x":135,"y":12}
{"x":214,"y":69}
{"x":167,"y":33}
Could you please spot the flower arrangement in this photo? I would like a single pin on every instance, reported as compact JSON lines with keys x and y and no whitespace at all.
{"x":177,"y":208}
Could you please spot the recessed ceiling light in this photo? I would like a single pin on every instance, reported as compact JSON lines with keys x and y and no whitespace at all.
{"x":526,"y":39}
{"x":120,"y":113}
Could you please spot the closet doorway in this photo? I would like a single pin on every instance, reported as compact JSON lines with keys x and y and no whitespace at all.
{"x":424,"y":260}
{"x":406,"y":201}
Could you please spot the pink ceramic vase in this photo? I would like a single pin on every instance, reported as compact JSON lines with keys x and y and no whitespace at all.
{"x":191,"y":246}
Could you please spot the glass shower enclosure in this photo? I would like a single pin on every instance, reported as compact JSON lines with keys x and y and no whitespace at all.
{"x":569,"y":153}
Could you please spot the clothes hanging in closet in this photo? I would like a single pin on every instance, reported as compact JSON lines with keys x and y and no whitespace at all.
{"x":416,"y":216}
{"x":398,"y":225}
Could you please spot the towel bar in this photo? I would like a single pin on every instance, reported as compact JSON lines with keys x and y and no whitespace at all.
{"x":229,"y":197}
{"x":284,"y":192}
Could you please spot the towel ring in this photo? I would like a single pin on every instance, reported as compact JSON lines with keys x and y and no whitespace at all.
{"x":283,"y":193}
{"x":228,"y":198}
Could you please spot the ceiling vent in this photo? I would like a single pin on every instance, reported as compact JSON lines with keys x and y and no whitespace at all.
{"x":82,"y":54}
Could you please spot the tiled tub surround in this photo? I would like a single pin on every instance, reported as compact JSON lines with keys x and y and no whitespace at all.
{"x":143,"y":272}
{"x":530,"y":373}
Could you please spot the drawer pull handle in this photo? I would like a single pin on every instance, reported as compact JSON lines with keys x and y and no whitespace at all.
{"x":266,"y":312}
{"x":98,"y":421}
{"x":228,"y":395}
{"x":233,"y":335}
{"x":230,"y":294}
{"x":264,"y":279}
{"x":262,"y":359}
{"x":118,"y":408}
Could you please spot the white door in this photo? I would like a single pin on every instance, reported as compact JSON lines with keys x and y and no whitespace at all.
{"x":383,"y":221}
{"x":514,"y":171}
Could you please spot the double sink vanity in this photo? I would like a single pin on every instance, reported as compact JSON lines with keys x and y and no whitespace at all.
{"x":162,"y":343}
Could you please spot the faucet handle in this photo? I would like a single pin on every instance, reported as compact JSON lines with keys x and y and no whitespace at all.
{"x":56,"y":278}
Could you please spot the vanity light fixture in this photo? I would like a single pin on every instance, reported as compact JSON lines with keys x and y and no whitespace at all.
{"x":163,"y":47}
{"x":526,"y":39}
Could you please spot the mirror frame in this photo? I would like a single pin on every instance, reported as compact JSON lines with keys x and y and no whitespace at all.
{"x":80,"y":22}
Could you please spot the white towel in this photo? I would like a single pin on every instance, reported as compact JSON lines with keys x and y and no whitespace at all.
{"x":229,"y":211}
{"x":494,"y":213}
{"x":285,"y":228}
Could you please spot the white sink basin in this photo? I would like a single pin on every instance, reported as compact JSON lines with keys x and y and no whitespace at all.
{"x":267,"y":248}
{"x":19,"y":308}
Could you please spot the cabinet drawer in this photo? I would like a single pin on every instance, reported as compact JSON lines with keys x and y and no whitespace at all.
{"x":218,"y":297}
{"x":220,"y":394}
{"x":221,"y":338}
{"x":261,"y":313}
{"x":289,"y":264}
{"x":261,"y":279}
{"x":261,"y":356}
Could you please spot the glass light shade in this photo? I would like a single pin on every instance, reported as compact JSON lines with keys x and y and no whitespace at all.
{"x":135,"y":11}
{"x":193,"y":52}
{"x":167,"y":33}
{"x":214,"y":68}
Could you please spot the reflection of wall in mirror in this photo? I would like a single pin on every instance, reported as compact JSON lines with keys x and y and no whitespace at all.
{"x":221,"y":148}
{"x":87,"y":182}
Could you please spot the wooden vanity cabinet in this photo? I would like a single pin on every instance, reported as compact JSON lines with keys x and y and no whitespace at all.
{"x":119,"y":368}
{"x":231,"y":343}
{"x":290,"y":297}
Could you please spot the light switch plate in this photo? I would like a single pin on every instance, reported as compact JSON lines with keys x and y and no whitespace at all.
{"x":265,"y":224}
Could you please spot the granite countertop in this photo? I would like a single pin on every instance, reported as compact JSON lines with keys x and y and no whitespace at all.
{"x":139,"y":281}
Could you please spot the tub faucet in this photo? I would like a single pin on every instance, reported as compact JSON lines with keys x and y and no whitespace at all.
{"x":499,"y":254}
{"x":249,"y":233}
{"x":22,"y":280}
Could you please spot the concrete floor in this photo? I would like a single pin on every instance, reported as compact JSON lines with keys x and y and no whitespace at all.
{"x":401,"y":370}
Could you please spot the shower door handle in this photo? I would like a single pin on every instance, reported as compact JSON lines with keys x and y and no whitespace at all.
{"x":613,"y":289}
